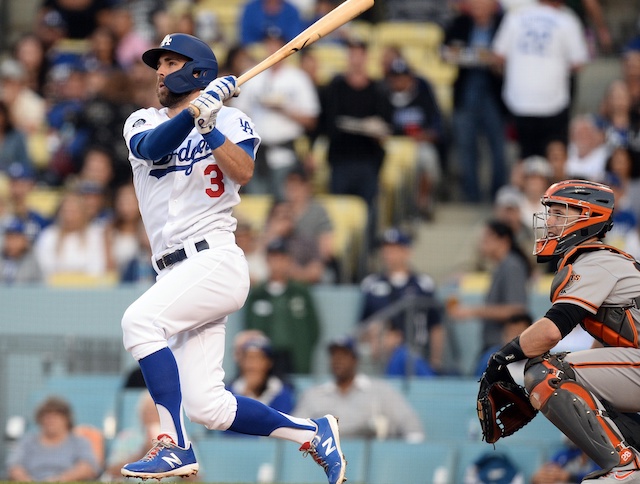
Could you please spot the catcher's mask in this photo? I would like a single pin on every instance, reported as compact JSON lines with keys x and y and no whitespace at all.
{"x":197,"y":73}
{"x":592,"y":205}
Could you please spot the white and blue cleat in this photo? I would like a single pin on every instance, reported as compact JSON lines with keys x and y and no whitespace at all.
{"x":164,"y":459}
{"x":325,"y":449}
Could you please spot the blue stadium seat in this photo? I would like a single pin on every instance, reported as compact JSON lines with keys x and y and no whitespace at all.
{"x":91,"y":397}
{"x":237,"y":459}
{"x":392,"y":462}
{"x":527,"y":457}
{"x":447,"y":418}
{"x":294,"y":469}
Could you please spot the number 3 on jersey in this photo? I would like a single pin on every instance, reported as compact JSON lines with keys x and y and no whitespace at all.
{"x":217,"y":185}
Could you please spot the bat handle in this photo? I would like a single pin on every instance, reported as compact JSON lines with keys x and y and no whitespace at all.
{"x":193,"y":111}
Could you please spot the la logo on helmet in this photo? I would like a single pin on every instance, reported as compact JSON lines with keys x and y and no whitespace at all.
{"x":166,"y":41}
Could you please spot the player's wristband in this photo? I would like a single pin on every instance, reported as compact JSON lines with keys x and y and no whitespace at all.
{"x":510,"y":352}
{"x":215,"y":138}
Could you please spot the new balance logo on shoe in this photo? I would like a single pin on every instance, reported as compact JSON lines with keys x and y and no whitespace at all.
{"x":328,"y":446}
{"x":173,"y":460}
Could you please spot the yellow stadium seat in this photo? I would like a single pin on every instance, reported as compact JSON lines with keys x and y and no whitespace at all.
{"x":254,"y":210}
{"x":349,"y":216}
{"x":397,"y":178}
{"x":426,"y":34}
{"x":331,"y":60}
{"x":81,"y":280}
{"x":44,"y":200}
{"x":475,"y":282}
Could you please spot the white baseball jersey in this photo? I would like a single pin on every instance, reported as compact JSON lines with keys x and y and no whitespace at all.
{"x":540,"y":44}
{"x":185,"y":194}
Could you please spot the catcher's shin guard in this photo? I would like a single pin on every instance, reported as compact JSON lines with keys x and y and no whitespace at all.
{"x":575,"y":411}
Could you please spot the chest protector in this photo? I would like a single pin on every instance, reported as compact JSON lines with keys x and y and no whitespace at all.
{"x":611,"y":325}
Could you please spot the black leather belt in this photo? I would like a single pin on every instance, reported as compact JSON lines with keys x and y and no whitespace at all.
{"x":176,"y":256}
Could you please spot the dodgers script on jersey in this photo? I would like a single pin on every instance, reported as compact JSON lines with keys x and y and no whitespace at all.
{"x":185,"y":194}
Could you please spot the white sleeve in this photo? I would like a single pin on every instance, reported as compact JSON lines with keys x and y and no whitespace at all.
{"x":502,"y":39}
{"x":577,"y":50}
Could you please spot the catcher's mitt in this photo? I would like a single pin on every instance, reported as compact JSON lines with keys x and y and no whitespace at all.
{"x":503,"y":408}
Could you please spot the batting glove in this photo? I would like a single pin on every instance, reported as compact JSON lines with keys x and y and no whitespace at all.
{"x":208,"y":104}
{"x":225,"y":87}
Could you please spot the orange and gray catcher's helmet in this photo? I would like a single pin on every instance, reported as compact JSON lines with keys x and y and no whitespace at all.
{"x":594,"y":201}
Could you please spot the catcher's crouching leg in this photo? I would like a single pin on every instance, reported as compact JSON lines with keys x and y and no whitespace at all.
{"x":575,"y":411}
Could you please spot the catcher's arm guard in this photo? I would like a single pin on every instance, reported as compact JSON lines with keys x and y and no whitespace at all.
{"x":503,"y":407}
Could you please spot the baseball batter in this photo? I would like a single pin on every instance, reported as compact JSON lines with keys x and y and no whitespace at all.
{"x":187,"y":174}
{"x":592,"y":396}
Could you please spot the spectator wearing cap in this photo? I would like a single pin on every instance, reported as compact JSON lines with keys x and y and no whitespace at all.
{"x":417,"y":115}
{"x":260,"y":18}
{"x":507,"y":208}
{"x":21,"y":184}
{"x":79,"y":18}
{"x":369,"y":408}
{"x":587,"y":151}
{"x":401,"y":298}
{"x":18,"y":264}
{"x":537,"y":175}
{"x":284,"y":310}
{"x":256,"y":376}
{"x":27,"y":109}
{"x":284,"y":105}
{"x":477,"y":105}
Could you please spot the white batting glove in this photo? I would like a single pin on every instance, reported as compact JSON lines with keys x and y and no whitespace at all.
{"x":208,"y":104}
{"x":225,"y":87}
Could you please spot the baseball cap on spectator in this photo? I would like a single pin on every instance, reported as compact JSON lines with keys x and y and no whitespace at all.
{"x":261,"y":343}
{"x":395,"y":236}
{"x":54,"y":20}
{"x":14,"y":226}
{"x":278,"y":246}
{"x":89,"y":187}
{"x":508,"y":197}
{"x":399,"y":67}
{"x":356,"y":43}
{"x":20,"y":171}
{"x":536,"y":165}
{"x":344,"y":342}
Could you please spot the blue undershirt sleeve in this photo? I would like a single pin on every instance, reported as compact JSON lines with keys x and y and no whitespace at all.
{"x":248,"y":146}
{"x":163,"y":139}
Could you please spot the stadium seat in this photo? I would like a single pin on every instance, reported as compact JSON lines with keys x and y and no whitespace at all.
{"x":331,"y":60}
{"x":447,"y":419}
{"x":238,"y":459}
{"x":349,"y":216}
{"x":91,"y":397}
{"x":527,"y":457}
{"x":397,"y":461}
{"x":96,"y":438}
{"x":44,"y":200}
{"x":428,"y":35}
{"x":254,"y":209}
{"x":81,"y":280}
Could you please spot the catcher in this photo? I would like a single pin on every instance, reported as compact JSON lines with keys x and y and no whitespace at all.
{"x":592,"y":396}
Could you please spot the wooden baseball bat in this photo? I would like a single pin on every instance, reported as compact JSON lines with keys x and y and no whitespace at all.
{"x":322,"y":27}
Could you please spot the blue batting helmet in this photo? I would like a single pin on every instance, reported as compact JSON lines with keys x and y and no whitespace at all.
{"x":197,"y":73}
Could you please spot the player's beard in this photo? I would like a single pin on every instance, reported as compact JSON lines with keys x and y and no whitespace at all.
{"x":170,"y":99}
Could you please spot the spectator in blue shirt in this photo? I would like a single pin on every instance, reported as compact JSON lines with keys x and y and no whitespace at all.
{"x":400,"y":297}
{"x":262,"y":18}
